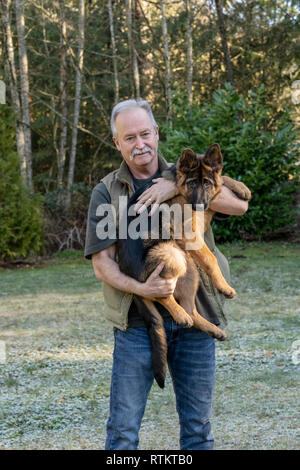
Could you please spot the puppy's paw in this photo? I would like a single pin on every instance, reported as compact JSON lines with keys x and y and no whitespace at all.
{"x":229,"y":293}
{"x":187,"y":321}
{"x":243,"y":192}
{"x":220,"y":335}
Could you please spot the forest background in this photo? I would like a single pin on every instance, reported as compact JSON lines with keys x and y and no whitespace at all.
{"x":213,"y":71}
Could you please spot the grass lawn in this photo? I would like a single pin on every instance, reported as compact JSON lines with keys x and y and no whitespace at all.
{"x":56,"y":377}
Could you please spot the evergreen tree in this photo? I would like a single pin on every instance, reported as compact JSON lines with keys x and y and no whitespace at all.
{"x":20,"y":222}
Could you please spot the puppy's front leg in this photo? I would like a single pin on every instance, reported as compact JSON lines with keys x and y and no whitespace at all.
{"x":237,"y":187}
{"x":207,"y":260}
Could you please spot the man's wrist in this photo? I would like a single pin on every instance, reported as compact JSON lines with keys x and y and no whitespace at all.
{"x":134,"y":287}
{"x":175,"y":188}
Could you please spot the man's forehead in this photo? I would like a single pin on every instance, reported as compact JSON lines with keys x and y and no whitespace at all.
{"x":133,"y":118}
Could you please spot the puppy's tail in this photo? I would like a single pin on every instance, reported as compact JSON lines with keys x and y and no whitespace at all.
{"x":158,"y":343}
{"x":157,"y":337}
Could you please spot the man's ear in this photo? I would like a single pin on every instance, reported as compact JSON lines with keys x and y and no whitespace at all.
{"x":188,"y":161}
{"x":213,"y":157}
{"x":117,"y":143}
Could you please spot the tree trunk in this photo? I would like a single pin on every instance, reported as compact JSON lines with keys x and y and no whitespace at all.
{"x":225,"y":46}
{"x":77,"y":99}
{"x":133,"y":64}
{"x":15,"y":98}
{"x":53,"y":98}
{"x":114,"y":51}
{"x":24,"y":82}
{"x":63,"y":95}
{"x":136,"y":74}
{"x":129,"y":36}
{"x":167,"y":62}
{"x":189,"y":53}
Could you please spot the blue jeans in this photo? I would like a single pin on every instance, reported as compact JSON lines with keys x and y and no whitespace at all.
{"x":191,"y":362}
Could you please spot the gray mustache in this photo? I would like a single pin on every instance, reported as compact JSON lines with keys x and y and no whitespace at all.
{"x":140,"y":152}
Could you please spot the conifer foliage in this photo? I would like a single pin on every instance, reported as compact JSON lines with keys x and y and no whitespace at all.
{"x":20,"y":218}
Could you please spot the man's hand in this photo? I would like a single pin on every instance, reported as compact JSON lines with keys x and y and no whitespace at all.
{"x":107,"y":270}
{"x":156,"y":286}
{"x":162,"y":190}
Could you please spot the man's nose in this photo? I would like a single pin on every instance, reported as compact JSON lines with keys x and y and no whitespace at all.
{"x":139,"y":143}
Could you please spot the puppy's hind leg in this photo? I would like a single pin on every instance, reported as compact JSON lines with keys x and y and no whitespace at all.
{"x":178,"y":314}
{"x":186,"y":290}
{"x":208,"y":327}
{"x":175,"y":266}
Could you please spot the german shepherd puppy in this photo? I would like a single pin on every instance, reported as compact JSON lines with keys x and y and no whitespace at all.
{"x":198,"y":179}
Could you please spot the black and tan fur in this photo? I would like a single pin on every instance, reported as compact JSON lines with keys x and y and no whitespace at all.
{"x":199,"y":181}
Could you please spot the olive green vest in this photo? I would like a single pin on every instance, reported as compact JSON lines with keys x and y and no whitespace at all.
{"x":119,"y":183}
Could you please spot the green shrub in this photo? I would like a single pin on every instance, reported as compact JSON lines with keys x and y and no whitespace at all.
{"x":20,"y":218}
{"x":258,"y":149}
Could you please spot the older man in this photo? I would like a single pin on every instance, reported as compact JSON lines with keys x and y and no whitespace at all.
{"x":190,"y":351}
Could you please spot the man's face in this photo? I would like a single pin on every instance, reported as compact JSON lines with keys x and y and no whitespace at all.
{"x":136,"y":139}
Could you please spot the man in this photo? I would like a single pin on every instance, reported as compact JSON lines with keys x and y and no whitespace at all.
{"x":190,"y":351}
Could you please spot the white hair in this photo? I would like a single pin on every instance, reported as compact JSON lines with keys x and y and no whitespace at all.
{"x":129,"y":104}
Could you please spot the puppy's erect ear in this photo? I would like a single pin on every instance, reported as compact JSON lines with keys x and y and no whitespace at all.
{"x":188,"y":161}
{"x":213,"y":157}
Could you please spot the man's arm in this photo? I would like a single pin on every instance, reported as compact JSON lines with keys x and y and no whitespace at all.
{"x":228,"y":203}
{"x":107,"y":269}
{"x":162,"y":190}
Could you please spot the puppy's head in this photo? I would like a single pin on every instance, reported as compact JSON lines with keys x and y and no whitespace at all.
{"x":199,"y":176}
